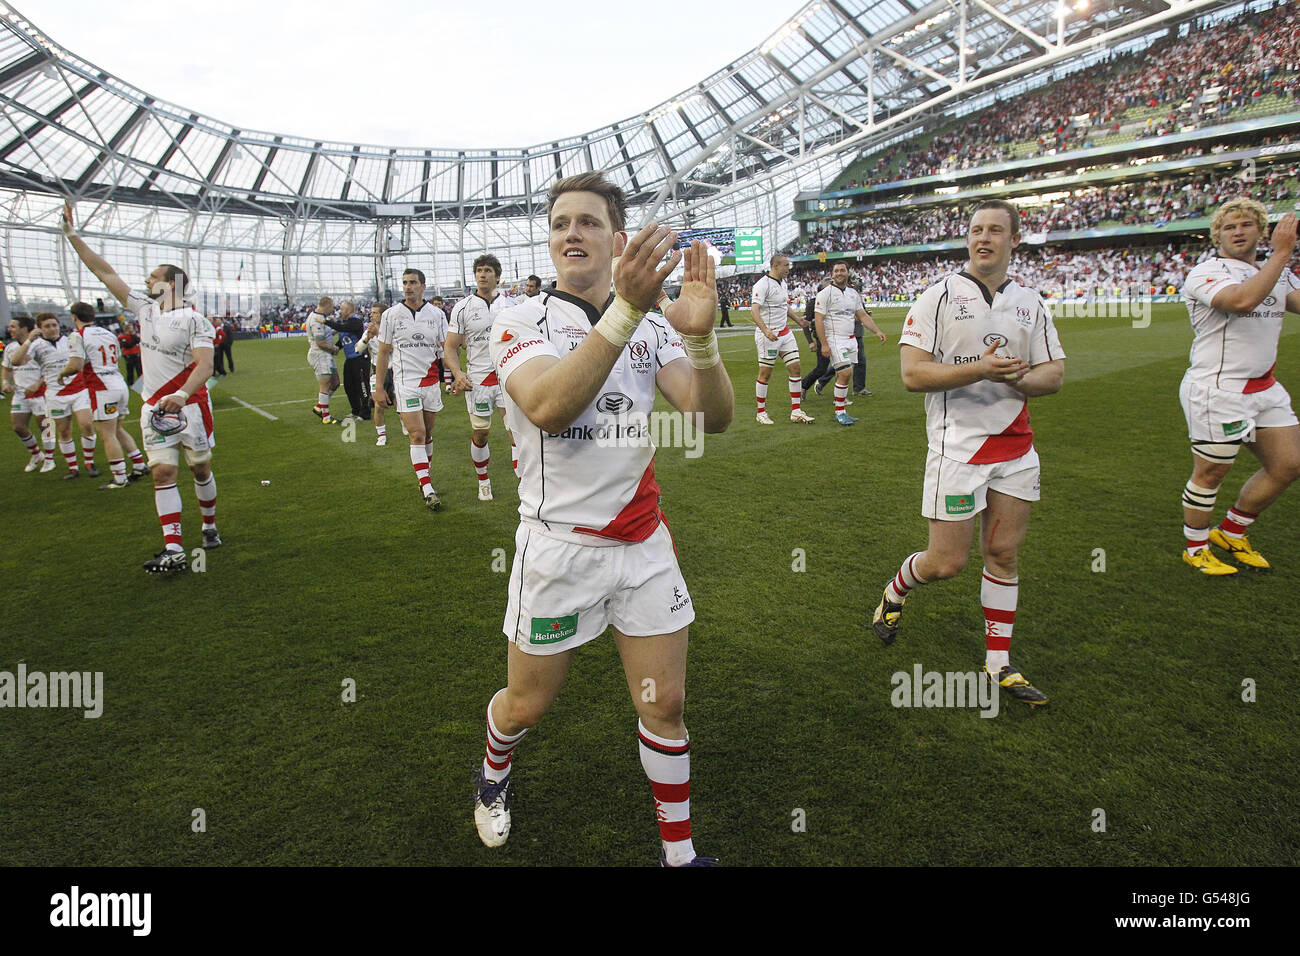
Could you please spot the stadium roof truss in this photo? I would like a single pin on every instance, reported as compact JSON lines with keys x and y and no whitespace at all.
{"x":838,"y":78}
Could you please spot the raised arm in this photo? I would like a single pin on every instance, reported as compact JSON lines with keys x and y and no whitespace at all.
{"x":700,"y":384}
{"x":93,"y":260}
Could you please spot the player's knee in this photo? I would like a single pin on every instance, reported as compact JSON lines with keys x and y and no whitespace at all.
{"x":667,"y":703}
{"x":526,"y":711}
{"x":479,"y":436}
{"x":1285,"y":471}
{"x":943,"y":566}
{"x":417,"y":436}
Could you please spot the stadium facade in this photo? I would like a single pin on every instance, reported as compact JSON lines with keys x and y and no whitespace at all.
{"x":258,"y":217}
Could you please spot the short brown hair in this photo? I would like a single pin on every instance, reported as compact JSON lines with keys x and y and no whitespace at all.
{"x":1242,"y":205}
{"x":83,"y":311}
{"x":487,"y":259}
{"x":1013,"y":214}
{"x":43,"y":316}
{"x":593,"y":182}
{"x":172,"y":273}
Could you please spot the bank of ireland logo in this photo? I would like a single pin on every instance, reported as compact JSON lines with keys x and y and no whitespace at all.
{"x":614,"y":403}
{"x":993,"y":338}
{"x":959,"y":504}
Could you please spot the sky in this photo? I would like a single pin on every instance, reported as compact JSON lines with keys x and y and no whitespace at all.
{"x":407,"y":73}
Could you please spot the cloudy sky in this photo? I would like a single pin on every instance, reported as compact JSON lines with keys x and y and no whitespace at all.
{"x":411,"y":73}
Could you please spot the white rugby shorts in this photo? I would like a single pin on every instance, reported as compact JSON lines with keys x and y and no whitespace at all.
{"x":785,"y":348}
{"x":1218,"y":416}
{"x":428,"y":398}
{"x":844,"y":351}
{"x":322,"y":365}
{"x":479,"y":401}
{"x":61,"y":406}
{"x":564,"y":594}
{"x":113,"y":401}
{"x":957,"y":490}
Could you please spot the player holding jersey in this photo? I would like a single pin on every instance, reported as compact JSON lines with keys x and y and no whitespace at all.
{"x":592,"y":549}
{"x":1229,"y":394}
{"x":771,"y":312}
{"x":47,"y":348}
{"x":176,"y":355}
{"x":92,"y":355}
{"x":838,"y":307}
{"x":28,"y":390}
{"x":320,"y":356}
{"x":471,"y":324}
{"x":979,"y":345}
{"x":411,"y":334}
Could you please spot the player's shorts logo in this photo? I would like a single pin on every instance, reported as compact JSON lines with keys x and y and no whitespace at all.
{"x":549,"y":630}
{"x":110,"y":408}
{"x":993,"y":338}
{"x":959,"y":504}
{"x":413,"y":402}
{"x":1234,"y":428}
{"x":482,"y":408}
{"x":614,"y":403}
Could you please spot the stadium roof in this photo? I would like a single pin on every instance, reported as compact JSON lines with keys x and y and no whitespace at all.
{"x":839,"y":72}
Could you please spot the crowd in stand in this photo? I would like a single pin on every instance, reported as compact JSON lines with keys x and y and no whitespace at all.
{"x":1200,"y":78}
{"x":1155,"y":202}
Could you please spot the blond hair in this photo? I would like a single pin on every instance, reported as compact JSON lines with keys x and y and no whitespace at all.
{"x":1242,"y":205}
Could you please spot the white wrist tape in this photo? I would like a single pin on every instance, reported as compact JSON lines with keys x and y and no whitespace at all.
{"x":702,"y":350}
{"x":619,"y":323}
{"x":185,"y":396}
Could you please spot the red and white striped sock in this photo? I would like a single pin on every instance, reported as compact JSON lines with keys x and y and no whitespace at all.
{"x":841,"y":397}
{"x":1196,"y":538}
{"x":668,"y":765}
{"x":500,"y":747}
{"x":30,"y":443}
{"x":137,"y":460}
{"x":796,"y":394}
{"x":480,"y":457}
{"x":381,"y":431}
{"x":905,"y":580}
{"x":88,"y":443}
{"x":69,"y":452}
{"x":999,"y":597}
{"x":206,"y":492}
{"x":118,"y":467}
{"x":47,"y":443}
{"x":1236,"y":522}
{"x":167,"y":499}
{"x":420,"y":462}
{"x":760,"y":392}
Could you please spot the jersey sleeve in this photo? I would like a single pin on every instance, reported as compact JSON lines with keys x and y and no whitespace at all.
{"x":515,"y":339}
{"x":77,"y":347}
{"x":921,"y":327}
{"x":668,"y":343}
{"x":1044,"y":344}
{"x":823,"y":300}
{"x":756,"y":293}
{"x":136,"y":300}
{"x":458,"y":319}
{"x":385,"y":330}
{"x":1207,"y":280}
{"x":200,"y":332}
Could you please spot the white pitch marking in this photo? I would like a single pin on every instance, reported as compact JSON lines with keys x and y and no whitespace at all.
{"x":263,"y":413}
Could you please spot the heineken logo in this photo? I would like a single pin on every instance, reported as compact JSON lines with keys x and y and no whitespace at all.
{"x":551,"y":630}
{"x":959,"y":504}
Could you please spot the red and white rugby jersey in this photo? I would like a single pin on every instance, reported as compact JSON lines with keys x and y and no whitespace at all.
{"x":472,"y":318}
{"x":167,"y":344}
{"x":317,"y":329}
{"x":773,"y":300}
{"x":416,"y":338}
{"x":596,"y":478}
{"x":839,"y":306}
{"x":1234,"y":352}
{"x":52,"y":358}
{"x":27,"y":377}
{"x":97,"y":348}
{"x":956,"y":320}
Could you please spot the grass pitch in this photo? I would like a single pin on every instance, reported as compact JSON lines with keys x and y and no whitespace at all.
{"x":223,"y":689}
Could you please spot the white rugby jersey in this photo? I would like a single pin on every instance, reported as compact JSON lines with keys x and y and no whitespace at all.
{"x":97,"y":348}
{"x":956,"y":320}
{"x":839,"y":306}
{"x":472,"y":318}
{"x":1234,"y":352}
{"x":167,"y":344}
{"x":773,"y":299}
{"x":317,"y":329}
{"x":27,"y":376}
{"x":596,"y":478}
{"x":52,"y":358}
{"x":416,"y":338}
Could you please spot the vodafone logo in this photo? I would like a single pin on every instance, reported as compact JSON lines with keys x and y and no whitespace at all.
{"x":506,"y":336}
{"x":516,"y":349}
{"x":910,"y":320}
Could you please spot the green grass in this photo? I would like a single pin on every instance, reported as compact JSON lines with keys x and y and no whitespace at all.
{"x":223,"y":688}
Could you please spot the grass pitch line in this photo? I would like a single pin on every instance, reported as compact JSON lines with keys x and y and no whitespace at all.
{"x":260,"y":411}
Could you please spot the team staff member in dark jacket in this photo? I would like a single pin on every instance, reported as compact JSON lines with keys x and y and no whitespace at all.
{"x":129,"y":339}
{"x":356,"y":363}
{"x":223,"y":347}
